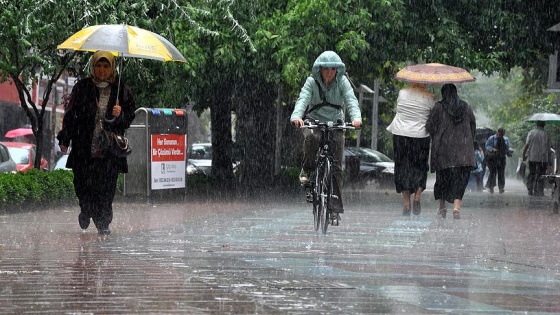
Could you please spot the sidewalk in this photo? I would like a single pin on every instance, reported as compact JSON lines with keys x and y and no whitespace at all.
{"x":261,"y":256}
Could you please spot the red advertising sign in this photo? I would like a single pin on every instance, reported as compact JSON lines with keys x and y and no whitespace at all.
{"x":168,"y":160}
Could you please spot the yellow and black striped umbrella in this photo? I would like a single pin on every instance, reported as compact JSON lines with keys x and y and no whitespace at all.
{"x":123,"y":40}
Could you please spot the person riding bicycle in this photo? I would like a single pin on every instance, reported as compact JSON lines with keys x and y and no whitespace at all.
{"x":323,"y":97}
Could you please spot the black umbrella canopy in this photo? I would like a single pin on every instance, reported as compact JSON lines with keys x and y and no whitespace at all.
{"x":482,"y":134}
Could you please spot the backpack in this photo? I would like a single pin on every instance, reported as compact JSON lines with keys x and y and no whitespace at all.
{"x":324,"y":103}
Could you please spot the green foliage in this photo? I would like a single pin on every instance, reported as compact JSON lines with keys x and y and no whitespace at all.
{"x":240,"y":53}
{"x":35,"y":188}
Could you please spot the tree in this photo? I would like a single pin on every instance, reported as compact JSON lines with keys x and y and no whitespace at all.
{"x":240,"y":63}
{"x":31,"y":33}
{"x":29,"y":36}
{"x":375,"y":38}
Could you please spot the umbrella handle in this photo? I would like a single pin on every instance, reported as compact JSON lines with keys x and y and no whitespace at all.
{"x":112,"y":120}
{"x":118,"y":92}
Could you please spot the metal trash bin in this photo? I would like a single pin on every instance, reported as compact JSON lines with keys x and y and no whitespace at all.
{"x":159,"y":144}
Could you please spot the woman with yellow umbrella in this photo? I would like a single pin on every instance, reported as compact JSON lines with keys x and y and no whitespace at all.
{"x":94,"y":100}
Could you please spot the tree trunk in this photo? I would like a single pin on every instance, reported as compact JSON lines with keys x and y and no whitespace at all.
{"x":35,"y":116}
{"x":255,"y":135}
{"x":220,"y":113}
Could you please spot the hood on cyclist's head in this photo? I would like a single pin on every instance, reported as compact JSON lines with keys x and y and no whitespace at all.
{"x":337,"y":95}
{"x":328,"y":59}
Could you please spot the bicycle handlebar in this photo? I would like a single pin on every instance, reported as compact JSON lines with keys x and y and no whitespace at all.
{"x":314,"y":124}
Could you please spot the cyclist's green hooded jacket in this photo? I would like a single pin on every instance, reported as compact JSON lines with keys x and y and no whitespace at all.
{"x":339,"y":93}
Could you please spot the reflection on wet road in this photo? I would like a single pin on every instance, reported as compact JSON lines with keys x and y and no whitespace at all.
{"x":263,"y":257}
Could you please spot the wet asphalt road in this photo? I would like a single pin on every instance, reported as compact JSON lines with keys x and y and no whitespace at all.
{"x":261,"y":256}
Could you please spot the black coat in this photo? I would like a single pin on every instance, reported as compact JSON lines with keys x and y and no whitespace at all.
{"x":78,"y":124}
{"x":452,"y":144}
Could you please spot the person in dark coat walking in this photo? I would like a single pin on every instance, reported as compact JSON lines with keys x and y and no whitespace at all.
{"x":92,"y":103}
{"x":452,"y":126}
{"x":497,"y":149}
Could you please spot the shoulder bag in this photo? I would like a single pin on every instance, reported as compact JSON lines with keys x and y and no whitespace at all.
{"x":114,"y":144}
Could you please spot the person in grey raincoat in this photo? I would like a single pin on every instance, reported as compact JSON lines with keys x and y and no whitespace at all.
{"x":326,"y":94}
{"x":537,"y":151}
{"x":95,"y":171}
{"x":452,"y":126}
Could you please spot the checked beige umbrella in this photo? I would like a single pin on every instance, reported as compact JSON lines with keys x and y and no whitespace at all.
{"x":434,"y":73}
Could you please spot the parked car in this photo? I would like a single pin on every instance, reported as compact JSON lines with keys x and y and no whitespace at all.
{"x":24,"y":154}
{"x":7,"y":165}
{"x":199,"y":159}
{"x":375,"y":167}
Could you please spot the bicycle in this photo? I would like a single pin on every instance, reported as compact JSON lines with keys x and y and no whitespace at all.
{"x":319,"y":189}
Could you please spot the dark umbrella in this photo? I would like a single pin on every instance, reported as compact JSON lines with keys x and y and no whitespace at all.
{"x":482,"y":134}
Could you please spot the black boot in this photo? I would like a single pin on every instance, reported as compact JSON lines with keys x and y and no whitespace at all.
{"x":83,"y":220}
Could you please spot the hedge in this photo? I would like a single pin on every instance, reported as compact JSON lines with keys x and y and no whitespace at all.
{"x":35,"y":187}
{"x":41,"y":189}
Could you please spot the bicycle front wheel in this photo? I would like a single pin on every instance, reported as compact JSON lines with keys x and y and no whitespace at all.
{"x":325,"y":189}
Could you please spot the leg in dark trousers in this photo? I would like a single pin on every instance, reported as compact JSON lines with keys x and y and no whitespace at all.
{"x":478,"y":177}
{"x":95,"y":184}
{"x":337,"y":147}
{"x":492,"y":170}
{"x":501,"y":169}
{"x":535,"y":182}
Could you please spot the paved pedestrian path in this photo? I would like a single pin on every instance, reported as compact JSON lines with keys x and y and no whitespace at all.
{"x":260,"y":255}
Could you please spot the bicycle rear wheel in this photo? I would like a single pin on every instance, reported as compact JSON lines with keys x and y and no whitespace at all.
{"x":325,"y":195}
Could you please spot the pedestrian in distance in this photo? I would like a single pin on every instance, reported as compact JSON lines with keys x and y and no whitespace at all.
{"x":411,"y":144}
{"x":323,"y":97}
{"x":452,"y":126}
{"x":497,"y":149}
{"x":477,"y":175}
{"x":537,"y":151}
{"x":92,"y":103}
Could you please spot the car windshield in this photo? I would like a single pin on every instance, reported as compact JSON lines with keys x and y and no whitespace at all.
{"x":20,"y":156}
{"x":369,"y":155}
{"x":201,"y":152}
